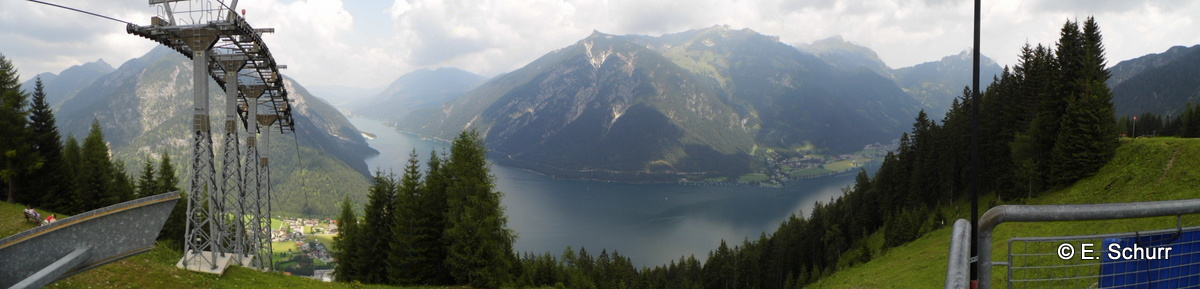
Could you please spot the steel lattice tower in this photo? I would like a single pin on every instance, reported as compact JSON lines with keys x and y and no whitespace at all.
{"x":232,"y":223}
{"x":228,"y":219}
{"x":264,"y":190}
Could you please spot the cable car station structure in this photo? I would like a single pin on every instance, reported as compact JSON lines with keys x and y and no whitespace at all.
{"x":228,"y":215}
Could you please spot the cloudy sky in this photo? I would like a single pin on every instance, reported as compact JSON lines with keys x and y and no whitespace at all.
{"x":369,"y":43}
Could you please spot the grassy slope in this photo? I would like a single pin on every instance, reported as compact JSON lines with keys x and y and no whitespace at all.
{"x":13,"y":221}
{"x":1143,"y":170}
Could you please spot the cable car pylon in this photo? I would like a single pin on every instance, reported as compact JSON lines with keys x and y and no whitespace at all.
{"x":228,"y":218}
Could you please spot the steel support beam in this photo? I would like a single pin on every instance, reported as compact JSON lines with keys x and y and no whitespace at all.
{"x":233,"y":211}
{"x":200,"y":216}
{"x":264,"y":180}
{"x":260,"y":222}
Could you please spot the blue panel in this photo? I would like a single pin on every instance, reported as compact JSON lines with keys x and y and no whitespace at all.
{"x":1179,"y":269}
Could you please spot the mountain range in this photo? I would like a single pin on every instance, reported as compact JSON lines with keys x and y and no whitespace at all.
{"x":935,"y":84}
{"x":697,"y":103}
{"x":704,"y":102}
{"x":144,"y":109}
{"x":69,"y":81}
{"x":343,"y":96}
{"x":1162,"y":83}
{"x":420,"y":89}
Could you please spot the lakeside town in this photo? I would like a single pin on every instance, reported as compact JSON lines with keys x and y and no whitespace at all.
{"x":301,"y":246}
{"x":785,"y":167}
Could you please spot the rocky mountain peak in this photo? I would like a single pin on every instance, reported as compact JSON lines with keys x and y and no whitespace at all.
{"x":98,"y":65}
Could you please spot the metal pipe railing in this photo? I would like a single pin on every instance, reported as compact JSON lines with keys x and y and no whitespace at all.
{"x":958,"y":268}
{"x":1051,"y":213}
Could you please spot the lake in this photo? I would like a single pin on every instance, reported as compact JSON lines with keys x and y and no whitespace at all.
{"x":650,"y":223}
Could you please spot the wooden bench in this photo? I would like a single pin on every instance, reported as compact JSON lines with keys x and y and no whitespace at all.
{"x":33,"y":218}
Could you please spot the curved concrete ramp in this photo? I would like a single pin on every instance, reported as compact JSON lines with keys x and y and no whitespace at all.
{"x":42,"y":255}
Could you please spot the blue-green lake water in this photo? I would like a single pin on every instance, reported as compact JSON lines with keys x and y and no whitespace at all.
{"x":650,"y":223}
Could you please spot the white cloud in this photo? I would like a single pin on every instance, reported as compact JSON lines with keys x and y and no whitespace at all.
{"x":39,"y":38}
{"x":370,"y":44}
{"x":310,"y":38}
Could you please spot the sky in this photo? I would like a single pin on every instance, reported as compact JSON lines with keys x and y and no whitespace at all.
{"x":369,"y":43}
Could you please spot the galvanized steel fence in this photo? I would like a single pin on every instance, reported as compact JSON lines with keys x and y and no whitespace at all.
{"x":1168,"y":258}
{"x":1087,"y":261}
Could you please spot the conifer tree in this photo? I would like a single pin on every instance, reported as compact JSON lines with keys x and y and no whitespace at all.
{"x":95,"y":171}
{"x":480,"y":243}
{"x":46,"y":180}
{"x":10,"y":80}
{"x":166,"y":182}
{"x":403,"y":263}
{"x":123,"y":187}
{"x":1087,"y":138}
{"x":16,"y":153}
{"x":147,"y":185}
{"x":1045,"y":126}
{"x":1038,"y":71}
{"x":74,"y":201}
{"x":379,"y":218}
{"x":430,"y":215}
{"x":346,"y":245}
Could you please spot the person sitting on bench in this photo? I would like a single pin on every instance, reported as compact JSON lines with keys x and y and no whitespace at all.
{"x":32,"y":215}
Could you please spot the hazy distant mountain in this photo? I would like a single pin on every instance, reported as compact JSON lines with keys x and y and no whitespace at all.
{"x":1159,"y":83}
{"x":935,"y":84}
{"x":422,"y":88}
{"x":62,"y":86}
{"x":847,"y":56}
{"x":145,"y":108}
{"x":698,"y":102}
{"x":1130,"y":68}
{"x":342,"y":96}
{"x":46,"y":77}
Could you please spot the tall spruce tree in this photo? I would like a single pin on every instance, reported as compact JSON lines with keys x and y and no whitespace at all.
{"x":1044,"y":130}
{"x":379,"y":218}
{"x":957,"y":135}
{"x":166,"y":182}
{"x":346,"y":245}
{"x":123,"y":187}
{"x":147,"y":185}
{"x":430,"y":215}
{"x":74,"y":201}
{"x":95,"y":171}
{"x":1037,"y":69}
{"x":480,"y":242}
{"x":46,"y":180}
{"x":17,"y":157}
{"x":1087,"y":138}
{"x":403,"y":265}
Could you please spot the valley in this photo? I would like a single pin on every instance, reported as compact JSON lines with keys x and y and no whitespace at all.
{"x":683,"y":156}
